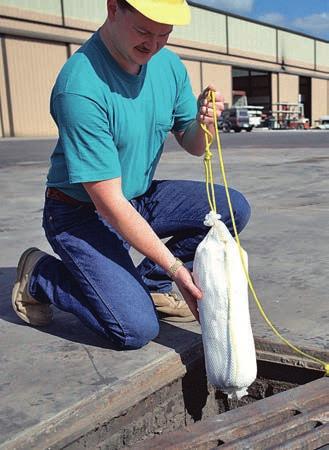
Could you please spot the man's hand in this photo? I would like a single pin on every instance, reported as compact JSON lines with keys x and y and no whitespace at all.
{"x":190,"y":292}
{"x":205,"y":106}
{"x":192,"y":139}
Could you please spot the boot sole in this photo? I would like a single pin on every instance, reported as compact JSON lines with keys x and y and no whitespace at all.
{"x":177,"y":319}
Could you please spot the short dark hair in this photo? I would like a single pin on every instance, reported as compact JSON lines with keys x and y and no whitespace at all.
{"x":125,"y":5}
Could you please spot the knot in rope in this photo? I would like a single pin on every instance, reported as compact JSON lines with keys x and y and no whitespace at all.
{"x":208,"y":156}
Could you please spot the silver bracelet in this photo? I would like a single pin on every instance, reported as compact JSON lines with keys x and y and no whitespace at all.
{"x":174,"y":267}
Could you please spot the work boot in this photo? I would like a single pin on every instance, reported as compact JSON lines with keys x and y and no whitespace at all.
{"x":25,"y":306}
{"x":171,"y":307}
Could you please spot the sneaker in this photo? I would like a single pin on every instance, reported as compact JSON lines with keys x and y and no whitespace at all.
{"x":171,"y":307}
{"x":25,"y":306}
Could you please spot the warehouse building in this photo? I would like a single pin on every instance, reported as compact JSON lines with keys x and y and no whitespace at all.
{"x":272,"y":67}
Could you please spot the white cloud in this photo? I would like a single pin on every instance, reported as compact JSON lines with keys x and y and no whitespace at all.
{"x":273,"y":18}
{"x":237,"y":6}
{"x":315,"y":23}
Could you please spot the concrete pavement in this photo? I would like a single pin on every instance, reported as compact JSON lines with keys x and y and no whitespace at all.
{"x":46,"y":373}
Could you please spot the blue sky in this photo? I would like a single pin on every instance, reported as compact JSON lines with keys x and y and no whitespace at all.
{"x":310,"y":17}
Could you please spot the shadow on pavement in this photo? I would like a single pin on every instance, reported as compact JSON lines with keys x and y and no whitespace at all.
{"x":67,"y":326}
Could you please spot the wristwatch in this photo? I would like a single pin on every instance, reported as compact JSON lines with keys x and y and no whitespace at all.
{"x":174,"y":267}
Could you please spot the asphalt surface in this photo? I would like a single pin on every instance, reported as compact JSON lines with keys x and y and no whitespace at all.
{"x":284,"y":175}
{"x":13,"y":151}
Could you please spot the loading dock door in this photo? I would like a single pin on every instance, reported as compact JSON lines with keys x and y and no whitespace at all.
{"x":256,"y":84}
{"x":306,"y":96}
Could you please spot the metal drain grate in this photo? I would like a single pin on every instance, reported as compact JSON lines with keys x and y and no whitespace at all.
{"x":292,"y":420}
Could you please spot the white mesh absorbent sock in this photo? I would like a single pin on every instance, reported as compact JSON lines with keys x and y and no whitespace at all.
{"x":224,"y":311}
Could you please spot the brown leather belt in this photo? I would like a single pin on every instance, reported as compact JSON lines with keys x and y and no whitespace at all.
{"x":56,"y":194}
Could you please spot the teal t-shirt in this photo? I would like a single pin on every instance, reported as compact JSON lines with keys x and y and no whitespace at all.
{"x":113,"y":124}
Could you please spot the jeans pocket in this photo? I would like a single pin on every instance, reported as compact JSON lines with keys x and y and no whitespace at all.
{"x":59,"y":216}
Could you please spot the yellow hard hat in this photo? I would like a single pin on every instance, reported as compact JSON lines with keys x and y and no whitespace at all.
{"x":171,"y":12}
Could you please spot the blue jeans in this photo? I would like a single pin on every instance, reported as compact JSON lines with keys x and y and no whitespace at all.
{"x":95,"y":277}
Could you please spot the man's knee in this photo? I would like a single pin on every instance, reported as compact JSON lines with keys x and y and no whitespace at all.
{"x":138,"y":333}
{"x":241,"y":209}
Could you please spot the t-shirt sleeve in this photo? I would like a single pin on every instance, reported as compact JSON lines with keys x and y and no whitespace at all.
{"x":86,"y":138}
{"x":186,"y":105}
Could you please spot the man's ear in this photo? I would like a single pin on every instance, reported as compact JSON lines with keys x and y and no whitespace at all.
{"x":112,"y":7}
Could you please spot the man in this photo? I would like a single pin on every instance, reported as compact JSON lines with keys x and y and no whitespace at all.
{"x":114,"y":102}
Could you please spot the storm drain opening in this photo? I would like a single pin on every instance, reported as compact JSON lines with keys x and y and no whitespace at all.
{"x":277,"y":413}
{"x":287,"y":407}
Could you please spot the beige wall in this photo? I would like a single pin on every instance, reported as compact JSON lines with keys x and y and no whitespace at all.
{"x":295,"y":50}
{"x":220,"y":77}
{"x":322,"y":56}
{"x":73,"y":48}
{"x":320,"y":97}
{"x":252,"y":40}
{"x":32,"y":69}
{"x":288,"y":88}
{"x":205,"y":28}
{"x":194,"y":71}
{"x":275,"y":91}
{"x":274,"y":87}
{"x":34,"y":11}
{"x":4,"y":118}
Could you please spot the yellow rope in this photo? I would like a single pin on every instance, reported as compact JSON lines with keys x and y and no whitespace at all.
{"x":209,"y":171}
{"x":212,"y":204}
